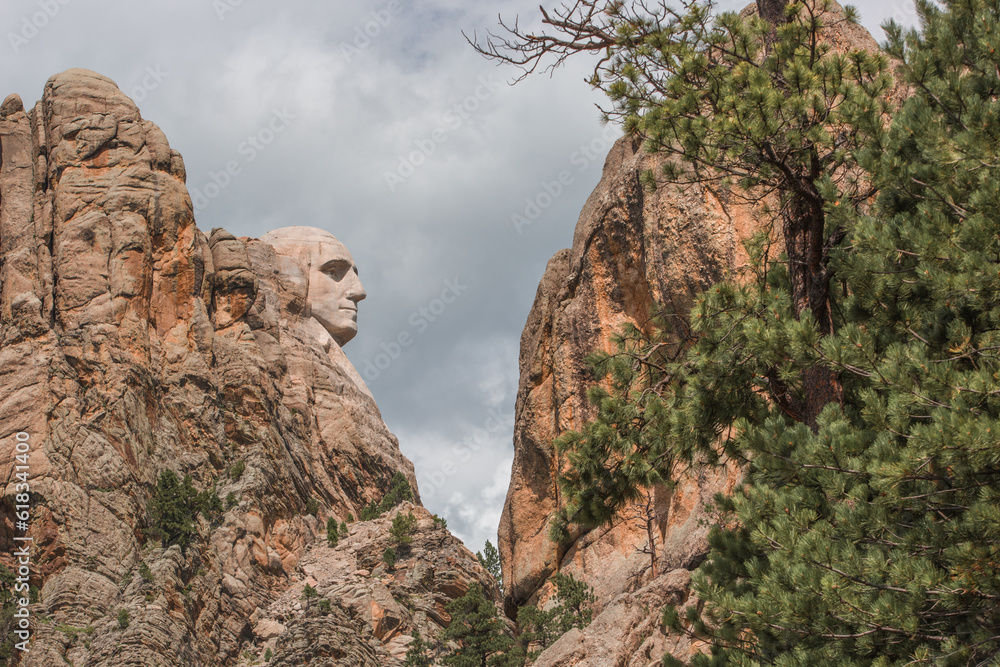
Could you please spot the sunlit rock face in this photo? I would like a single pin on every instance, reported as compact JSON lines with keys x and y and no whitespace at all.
{"x":632,"y":248}
{"x":375,"y":611}
{"x":131,"y":343}
{"x":333,"y":287}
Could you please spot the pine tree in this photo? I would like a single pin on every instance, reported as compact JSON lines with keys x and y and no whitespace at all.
{"x":399,"y":490}
{"x":371,"y":511}
{"x":416,"y":653}
{"x":389,"y":558}
{"x":209,"y":504}
{"x":537,"y":630}
{"x":571,"y":608}
{"x":489,"y":558}
{"x":866,"y":537}
{"x":573,"y":602}
{"x":739,"y":100}
{"x":173,"y":509}
{"x":332,"y":532}
{"x":874,"y":542}
{"x":476,"y":626}
{"x":403,"y":527}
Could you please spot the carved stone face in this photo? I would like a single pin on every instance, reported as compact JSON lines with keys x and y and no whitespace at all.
{"x":335,"y":290}
{"x":334,"y":286}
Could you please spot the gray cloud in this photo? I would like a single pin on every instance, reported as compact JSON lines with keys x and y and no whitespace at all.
{"x":364,"y":89}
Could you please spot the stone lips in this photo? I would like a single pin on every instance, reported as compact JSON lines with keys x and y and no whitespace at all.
{"x":130,"y":343}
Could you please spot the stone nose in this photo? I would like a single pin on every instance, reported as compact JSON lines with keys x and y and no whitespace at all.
{"x":354,"y":290}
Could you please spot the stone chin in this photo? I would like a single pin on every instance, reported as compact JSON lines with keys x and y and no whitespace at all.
{"x":342,"y":325}
{"x":334,"y":288}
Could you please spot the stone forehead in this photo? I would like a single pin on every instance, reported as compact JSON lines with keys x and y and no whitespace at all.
{"x":299,"y":237}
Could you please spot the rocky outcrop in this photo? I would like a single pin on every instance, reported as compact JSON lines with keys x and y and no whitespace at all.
{"x":632,"y":250}
{"x":132,"y":343}
{"x":371,"y":611}
{"x":628,"y":630}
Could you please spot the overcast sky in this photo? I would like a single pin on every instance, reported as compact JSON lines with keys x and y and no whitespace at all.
{"x":402,"y":142}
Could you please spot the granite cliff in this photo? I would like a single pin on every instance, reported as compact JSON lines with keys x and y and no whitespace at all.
{"x":632,"y":249}
{"x":132,"y":343}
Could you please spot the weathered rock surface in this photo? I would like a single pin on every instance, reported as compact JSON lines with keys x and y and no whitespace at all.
{"x":627,"y":632}
{"x":374,"y":610}
{"x":132,"y":343}
{"x":631,"y":249}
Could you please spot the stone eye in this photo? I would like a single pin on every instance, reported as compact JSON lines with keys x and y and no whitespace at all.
{"x":337,"y":270}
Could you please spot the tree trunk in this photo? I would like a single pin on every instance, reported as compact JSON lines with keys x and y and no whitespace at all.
{"x":803,"y":223}
{"x":773,"y":11}
{"x":652,"y":542}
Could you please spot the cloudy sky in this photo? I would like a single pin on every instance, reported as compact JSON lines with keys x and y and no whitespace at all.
{"x":398,"y":138}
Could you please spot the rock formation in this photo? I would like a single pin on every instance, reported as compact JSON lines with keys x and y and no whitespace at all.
{"x":632,"y":249}
{"x":132,"y":343}
{"x":374,"y":609}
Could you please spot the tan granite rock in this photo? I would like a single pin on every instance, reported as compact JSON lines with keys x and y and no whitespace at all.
{"x":384,"y":607}
{"x":131,"y":343}
{"x":627,"y":631}
{"x":632,"y":249}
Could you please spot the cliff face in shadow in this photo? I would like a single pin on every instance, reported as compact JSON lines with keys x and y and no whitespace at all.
{"x":132,"y":343}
